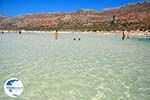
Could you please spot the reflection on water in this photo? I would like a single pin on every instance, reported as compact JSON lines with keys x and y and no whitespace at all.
{"x":98,"y":67}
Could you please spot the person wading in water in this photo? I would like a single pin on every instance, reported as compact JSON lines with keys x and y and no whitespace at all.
{"x":56,"y":34}
{"x":20,"y":32}
{"x":123,"y":35}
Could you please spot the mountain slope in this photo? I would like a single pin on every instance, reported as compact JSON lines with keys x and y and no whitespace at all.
{"x":128,"y":17}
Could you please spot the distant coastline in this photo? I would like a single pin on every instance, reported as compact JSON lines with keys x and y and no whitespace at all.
{"x":80,"y":32}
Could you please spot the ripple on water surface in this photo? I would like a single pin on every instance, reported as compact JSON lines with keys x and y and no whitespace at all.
{"x":98,"y":67}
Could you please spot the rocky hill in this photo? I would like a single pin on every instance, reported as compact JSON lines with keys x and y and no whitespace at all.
{"x":3,"y":19}
{"x":128,"y":17}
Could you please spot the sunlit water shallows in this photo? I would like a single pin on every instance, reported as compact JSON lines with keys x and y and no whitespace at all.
{"x":98,"y":67}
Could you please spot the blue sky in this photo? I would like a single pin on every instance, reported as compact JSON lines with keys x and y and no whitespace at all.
{"x":18,"y":7}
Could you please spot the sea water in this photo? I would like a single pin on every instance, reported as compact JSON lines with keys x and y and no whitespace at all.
{"x":96,"y":67}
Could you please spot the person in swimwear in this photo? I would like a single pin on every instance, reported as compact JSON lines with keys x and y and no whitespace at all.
{"x":56,"y":34}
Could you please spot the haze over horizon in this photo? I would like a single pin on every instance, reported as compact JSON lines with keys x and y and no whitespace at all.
{"x":19,"y":7}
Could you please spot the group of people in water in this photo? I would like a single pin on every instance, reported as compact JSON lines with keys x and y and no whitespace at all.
{"x":56,"y":35}
{"x":19,"y":32}
{"x":76,"y":39}
{"x":123,"y":36}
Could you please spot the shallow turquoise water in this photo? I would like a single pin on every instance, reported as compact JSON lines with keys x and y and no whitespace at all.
{"x":98,"y":67}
